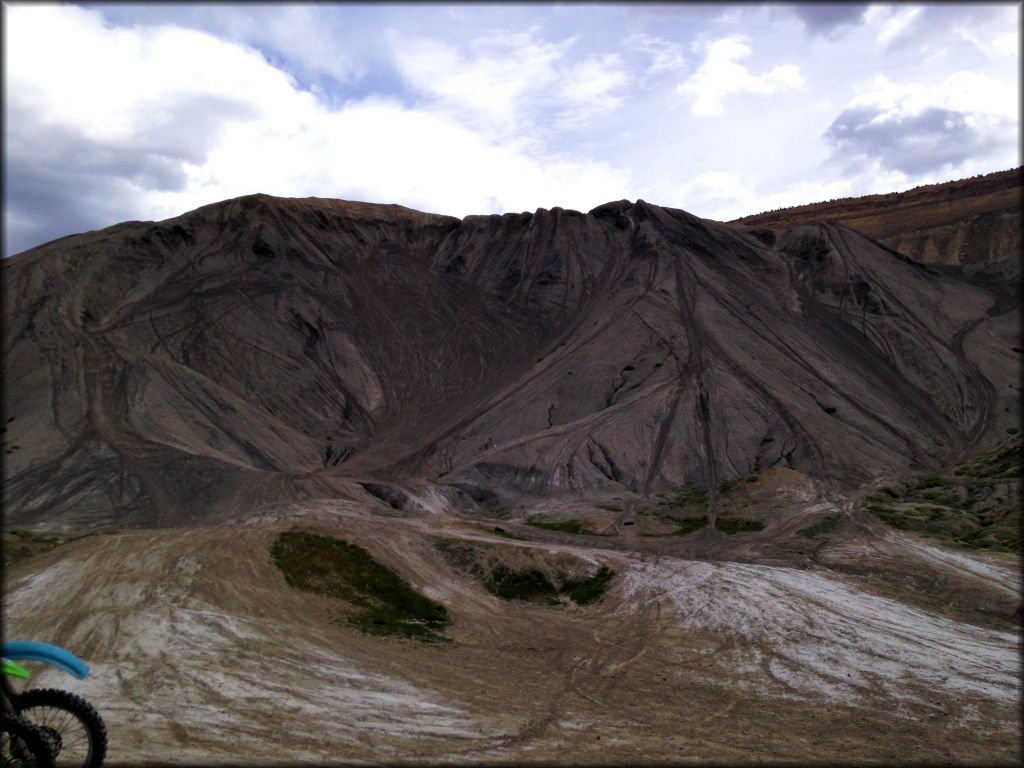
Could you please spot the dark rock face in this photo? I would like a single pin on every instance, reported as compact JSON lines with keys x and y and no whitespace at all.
{"x":265,"y":348}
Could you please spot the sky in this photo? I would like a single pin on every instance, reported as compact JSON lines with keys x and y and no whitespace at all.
{"x":144,"y":112}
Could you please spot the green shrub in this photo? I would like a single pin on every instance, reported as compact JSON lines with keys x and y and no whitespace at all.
{"x":889,"y":516}
{"x":532,"y":585}
{"x":688,"y":525}
{"x":329,"y":566}
{"x":682,"y":495}
{"x":728,"y":486}
{"x":738,"y":525}
{"x":39,"y":538}
{"x":825,"y":525}
{"x":566,"y":526}
{"x":587,"y":591}
{"x":527,"y":584}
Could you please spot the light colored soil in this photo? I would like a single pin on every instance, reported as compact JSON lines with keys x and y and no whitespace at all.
{"x":200,"y":652}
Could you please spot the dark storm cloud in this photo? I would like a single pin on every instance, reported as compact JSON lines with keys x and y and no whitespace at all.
{"x":828,"y":20}
{"x":60,"y":182}
{"x":912,"y":144}
{"x":70,"y":185}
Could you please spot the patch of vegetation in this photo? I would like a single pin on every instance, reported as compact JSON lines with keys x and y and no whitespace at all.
{"x":929,"y":495}
{"x":325,"y":565}
{"x":587,"y":591}
{"x":1001,"y":461}
{"x":532,"y":585}
{"x":528,"y":584}
{"x":565,"y":526}
{"x":522,"y":581}
{"x":729,"y":486}
{"x":682,"y":495}
{"x":39,"y":538}
{"x":687,"y":525}
{"x":502,"y":532}
{"x":731,"y":525}
{"x":609,"y":507}
{"x":889,"y":516}
{"x":825,"y":525}
{"x":976,"y":505}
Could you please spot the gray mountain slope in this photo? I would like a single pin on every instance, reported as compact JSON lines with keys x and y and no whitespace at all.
{"x":266,"y":349}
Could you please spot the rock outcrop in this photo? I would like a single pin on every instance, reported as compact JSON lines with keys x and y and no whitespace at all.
{"x":264,"y":349}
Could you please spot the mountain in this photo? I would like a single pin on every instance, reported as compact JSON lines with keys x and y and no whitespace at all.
{"x":973,"y":221}
{"x":318,"y":481}
{"x":266,"y":349}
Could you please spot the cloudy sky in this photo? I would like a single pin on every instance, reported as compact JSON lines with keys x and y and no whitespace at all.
{"x":119,"y":112}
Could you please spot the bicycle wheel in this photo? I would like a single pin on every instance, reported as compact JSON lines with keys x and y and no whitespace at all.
{"x":22,"y":744}
{"x":77,"y":736}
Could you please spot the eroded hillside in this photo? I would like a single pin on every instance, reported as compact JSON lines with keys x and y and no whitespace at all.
{"x":264,"y":350}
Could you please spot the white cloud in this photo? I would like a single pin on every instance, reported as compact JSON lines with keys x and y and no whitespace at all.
{"x":720,"y":75}
{"x":995,"y":33}
{"x":162,"y":132}
{"x":919,"y":129}
{"x":114,"y":85}
{"x":963,"y":91}
{"x":380,"y":151}
{"x":666,"y":55}
{"x":894,"y":23}
{"x":123,"y":112}
{"x":723,"y":196}
{"x":490,"y":82}
{"x":512,"y":83}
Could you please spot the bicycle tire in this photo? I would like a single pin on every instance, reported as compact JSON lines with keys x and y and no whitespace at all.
{"x":22,"y":745}
{"x":74,"y":727}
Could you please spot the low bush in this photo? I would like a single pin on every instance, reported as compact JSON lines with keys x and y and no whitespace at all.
{"x":687,"y":525}
{"x":731,"y":525}
{"x":825,"y":525}
{"x":325,"y":565}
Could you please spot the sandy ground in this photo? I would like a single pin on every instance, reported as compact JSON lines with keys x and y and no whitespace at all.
{"x":200,"y":652}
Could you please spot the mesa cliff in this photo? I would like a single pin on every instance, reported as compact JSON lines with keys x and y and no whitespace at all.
{"x":968,"y":221}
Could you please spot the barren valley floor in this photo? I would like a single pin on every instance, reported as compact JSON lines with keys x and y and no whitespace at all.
{"x":200,"y":651}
